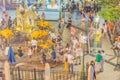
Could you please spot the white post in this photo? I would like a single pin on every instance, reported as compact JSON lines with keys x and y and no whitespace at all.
{"x":47,"y":71}
{"x":7,"y":70}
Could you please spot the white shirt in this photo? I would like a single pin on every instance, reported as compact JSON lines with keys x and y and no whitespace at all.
{"x":34,"y":43}
{"x":29,"y":52}
{"x":6,"y":50}
{"x":79,"y":52}
{"x":70,"y":58}
{"x":53,"y":35}
{"x":65,"y":56}
{"x":103,"y":56}
{"x":74,"y":42}
{"x":117,"y":44}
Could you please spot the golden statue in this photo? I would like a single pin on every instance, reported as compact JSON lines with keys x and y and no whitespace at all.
{"x":25,"y":17}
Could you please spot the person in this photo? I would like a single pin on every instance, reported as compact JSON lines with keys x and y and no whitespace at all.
{"x":70,"y":58}
{"x":91,"y":71}
{"x":20,"y":52}
{"x":43,"y":58}
{"x":30,"y":52}
{"x":9,"y":22}
{"x":37,"y":15}
{"x":6,"y":50}
{"x":92,"y":30}
{"x":53,"y":36}
{"x":83,"y":20}
{"x":116,"y":47}
{"x":43,"y":16}
{"x":98,"y":59}
{"x":81,"y":38}
{"x":79,"y":53}
{"x":74,"y":41}
{"x":102,"y":61}
{"x":104,"y":30}
{"x":53,"y":55}
{"x":34,"y":45}
{"x":59,"y":25}
{"x":66,"y":61}
{"x":68,"y":48}
{"x":89,"y":15}
{"x":3,"y":23}
{"x":59,"y":40}
{"x":69,"y":24}
{"x":110,"y":26}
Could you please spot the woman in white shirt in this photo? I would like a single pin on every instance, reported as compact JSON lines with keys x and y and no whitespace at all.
{"x":30,"y":52}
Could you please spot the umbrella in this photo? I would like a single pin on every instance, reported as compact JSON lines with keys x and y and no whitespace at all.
{"x":11,"y":57}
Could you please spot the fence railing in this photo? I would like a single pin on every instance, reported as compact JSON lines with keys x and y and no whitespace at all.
{"x":22,"y":74}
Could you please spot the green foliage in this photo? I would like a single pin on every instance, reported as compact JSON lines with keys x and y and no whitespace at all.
{"x":110,"y":9}
{"x":108,"y":3}
{"x":110,"y":13}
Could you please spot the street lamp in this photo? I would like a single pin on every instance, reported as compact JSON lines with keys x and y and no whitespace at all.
{"x":96,"y":20}
{"x":84,"y":40}
{"x":60,"y":8}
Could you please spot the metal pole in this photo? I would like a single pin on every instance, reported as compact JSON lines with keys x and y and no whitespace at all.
{"x":35,"y":74}
{"x":60,"y":11}
{"x":95,"y":42}
{"x":82,"y":69}
{"x":18,"y":73}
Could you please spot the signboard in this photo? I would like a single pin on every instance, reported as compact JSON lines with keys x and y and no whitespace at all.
{"x":16,"y":1}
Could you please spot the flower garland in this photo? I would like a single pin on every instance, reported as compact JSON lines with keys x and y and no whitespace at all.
{"x":47,"y":44}
{"x":6,"y":33}
{"x":39,"y":33}
{"x":42,"y":23}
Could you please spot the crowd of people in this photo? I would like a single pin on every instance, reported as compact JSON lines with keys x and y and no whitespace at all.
{"x":73,"y":51}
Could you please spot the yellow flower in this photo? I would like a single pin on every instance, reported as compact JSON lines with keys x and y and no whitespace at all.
{"x":50,"y":42}
{"x":44,"y":45}
{"x":39,"y":33}
{"x":42,"y":23}
{"x":29,"y":25}
{"x":19,"y":28}
{"x":28,"y":29}
{"x":6,"y":33}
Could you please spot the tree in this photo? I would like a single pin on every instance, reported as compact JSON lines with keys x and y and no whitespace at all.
{"x":110,"y":13}
{"x":108,"y":3}
{"x":110,"y":10}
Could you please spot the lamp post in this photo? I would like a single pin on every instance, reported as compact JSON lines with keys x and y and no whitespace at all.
{"x":83,"y":66}
{"x":60,"y":9}
{"x":95,"y":33}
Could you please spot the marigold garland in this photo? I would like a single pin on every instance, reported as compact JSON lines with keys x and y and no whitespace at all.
{"x":6,"y":33}
{"x":39,"y":33}
{"x":46,"y":44}
{"x":42,"y":23}
{"x":19,"y":28}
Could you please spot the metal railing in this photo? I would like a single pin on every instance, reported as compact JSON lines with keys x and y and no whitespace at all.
{"x":23,"y":74}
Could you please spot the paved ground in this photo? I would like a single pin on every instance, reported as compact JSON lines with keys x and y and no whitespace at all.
{"x":108,"y":74}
